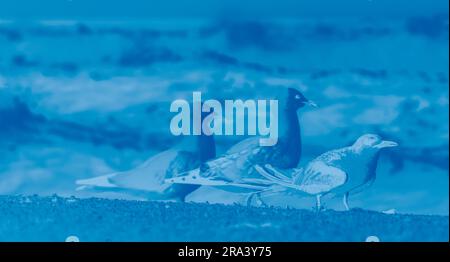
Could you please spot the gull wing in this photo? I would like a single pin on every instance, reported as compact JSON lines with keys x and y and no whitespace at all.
{"x":322,"y":178}
{"x":230,"y":167}
{"x":193,"y":178}
{"x":151,"y":174}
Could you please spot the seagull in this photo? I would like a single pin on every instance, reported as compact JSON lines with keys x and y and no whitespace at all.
{"x":234,"y":171}
{"x":147,"y":180}
{"x":343,"y":171}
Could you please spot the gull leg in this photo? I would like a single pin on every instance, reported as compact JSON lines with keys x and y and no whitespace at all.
{"x":257,"y":197}
{"x":345,"y":200}
{"x":260,"y":202}
{"x":250,"y":198}
{"x":318,"y":205}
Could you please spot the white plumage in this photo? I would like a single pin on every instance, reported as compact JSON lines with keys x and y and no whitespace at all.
{"x":342,"y":171}
{"x":147,"y":177}
{"x":148,"y":180}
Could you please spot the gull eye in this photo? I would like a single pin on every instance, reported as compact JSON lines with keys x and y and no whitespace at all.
{"x":297,"y":97}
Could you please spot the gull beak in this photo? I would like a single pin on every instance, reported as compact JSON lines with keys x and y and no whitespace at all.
{"x":386,"y":143}
{"x":311,"y":103}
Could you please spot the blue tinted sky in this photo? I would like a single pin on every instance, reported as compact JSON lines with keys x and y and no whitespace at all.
{"x":139,"y":9}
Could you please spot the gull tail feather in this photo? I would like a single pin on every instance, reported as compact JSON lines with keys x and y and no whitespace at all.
{"x":278,"y":174}
{"x":275,"y":179}
{"x":100,"y":181}
{"x":256,"y":181}
{"x":194,"y":178}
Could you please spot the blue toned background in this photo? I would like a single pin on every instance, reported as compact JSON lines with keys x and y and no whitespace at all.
{"x":85,"y":86}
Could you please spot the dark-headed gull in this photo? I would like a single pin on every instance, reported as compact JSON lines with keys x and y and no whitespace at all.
{"x":235,"y":169}
{"x":147,"y":180}
{"x":341,"y":171}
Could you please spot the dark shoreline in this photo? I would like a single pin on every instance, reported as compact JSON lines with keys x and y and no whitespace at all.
{"x":37,"y":218}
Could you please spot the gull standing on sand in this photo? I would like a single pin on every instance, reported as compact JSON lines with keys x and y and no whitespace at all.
{"x":344,"y":171}
{"x":147,"y":180}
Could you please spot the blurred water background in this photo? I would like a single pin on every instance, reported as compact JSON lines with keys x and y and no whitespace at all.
{"x":85,"y":86}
